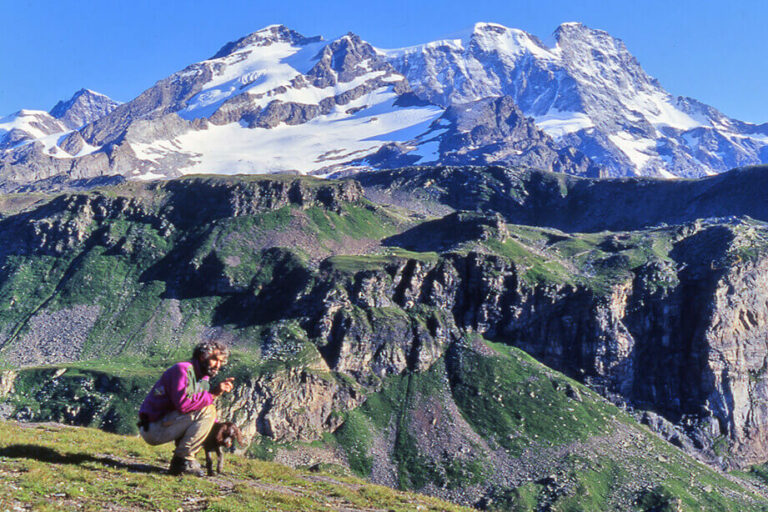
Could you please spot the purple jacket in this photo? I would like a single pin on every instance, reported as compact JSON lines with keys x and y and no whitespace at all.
{"x":178,"y":389}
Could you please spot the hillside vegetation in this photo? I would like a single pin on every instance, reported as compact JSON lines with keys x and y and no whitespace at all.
{"x":454,"y":331}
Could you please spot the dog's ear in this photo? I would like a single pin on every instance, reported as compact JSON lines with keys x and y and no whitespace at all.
{"x":221,"y":433}
{"x":239,"y":435}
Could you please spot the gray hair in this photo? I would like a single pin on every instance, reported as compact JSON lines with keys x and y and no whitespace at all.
{"x":206,"y":349}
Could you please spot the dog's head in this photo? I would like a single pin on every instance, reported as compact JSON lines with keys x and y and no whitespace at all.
{"x":228,"y":433}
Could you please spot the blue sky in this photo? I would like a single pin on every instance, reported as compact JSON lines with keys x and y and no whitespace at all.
{"x":712,"y":51}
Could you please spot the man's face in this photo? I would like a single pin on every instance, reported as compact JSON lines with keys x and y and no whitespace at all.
{"x":211,"y":365}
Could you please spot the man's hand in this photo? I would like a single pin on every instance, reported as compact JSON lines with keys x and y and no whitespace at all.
{"x":224,"y":386}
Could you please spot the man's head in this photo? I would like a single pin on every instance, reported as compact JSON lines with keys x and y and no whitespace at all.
{"x":211,"y":356}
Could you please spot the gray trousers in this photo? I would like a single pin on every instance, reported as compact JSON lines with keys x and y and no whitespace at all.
{"x":188,"y":430}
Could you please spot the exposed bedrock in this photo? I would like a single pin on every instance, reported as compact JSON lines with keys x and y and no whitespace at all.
{"x":688,"y":346}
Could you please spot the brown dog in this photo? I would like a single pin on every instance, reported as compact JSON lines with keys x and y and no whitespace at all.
{"x":221,"y":436}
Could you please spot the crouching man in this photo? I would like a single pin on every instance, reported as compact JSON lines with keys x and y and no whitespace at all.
{"x":180,"y":407}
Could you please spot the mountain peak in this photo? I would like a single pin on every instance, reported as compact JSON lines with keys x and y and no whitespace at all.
{"x":85,"y":106}
{"x":89,"y":92}
{"x":497,"y":30}
{"x":26,"y":112}
{"x":81,"y":92}
{"x":493,"y":36}
{"x":575,"y":27}
{"x":348,"y":58}
{"x":265,"y":37}
{"x":572,"y":25}
{"x":484,"y":26}
{"x":574,"y":31}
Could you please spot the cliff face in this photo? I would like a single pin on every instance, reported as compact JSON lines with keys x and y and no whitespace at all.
{"x":736,"y":332}
{"x":292,"y":405}
{"x":683,"y":339}
{"x":687,"y":345}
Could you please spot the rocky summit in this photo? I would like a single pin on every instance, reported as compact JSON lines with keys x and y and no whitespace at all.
{"x":278,"y":101}
{"x":501,"y":337}
{"x":588,"y":92}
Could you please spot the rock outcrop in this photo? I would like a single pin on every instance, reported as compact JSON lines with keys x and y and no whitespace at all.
{"x":291,"y":405}
{"x":7,"y":378}
{"x":495,"y":131}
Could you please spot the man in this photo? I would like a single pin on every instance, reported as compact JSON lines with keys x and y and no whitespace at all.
{"x":181,"y":408}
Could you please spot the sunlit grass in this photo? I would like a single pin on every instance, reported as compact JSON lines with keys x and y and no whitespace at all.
{"x":53,"y":467}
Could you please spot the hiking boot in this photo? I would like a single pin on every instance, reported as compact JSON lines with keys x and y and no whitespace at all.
{"x":181,"y":466}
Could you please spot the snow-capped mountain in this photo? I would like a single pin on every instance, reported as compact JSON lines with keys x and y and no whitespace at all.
{"x":272,"y":101}
{"x":277,"y":101}
{"x":48,"y":128}
{"x":37,"y":145}
{"x":26,"y":126}
{"x":586,"y":91}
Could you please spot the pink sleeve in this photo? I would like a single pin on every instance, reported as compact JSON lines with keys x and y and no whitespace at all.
{"x":183,"y":400}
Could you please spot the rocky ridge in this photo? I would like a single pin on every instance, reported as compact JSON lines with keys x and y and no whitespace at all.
{"x":572,"y":204}
{"x":273,"y":77}
{"x":588,"y":92}
{"x":484,"y":132}
{"x":277,"y":101}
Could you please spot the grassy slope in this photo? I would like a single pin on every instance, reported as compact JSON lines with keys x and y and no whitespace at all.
{"x":572,"y":450}
{"x":526,"y":415}
{"x":52,"y":467}
{"x":113,"y":273}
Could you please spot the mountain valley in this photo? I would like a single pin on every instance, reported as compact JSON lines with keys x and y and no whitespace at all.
{"x":388,"y":322}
